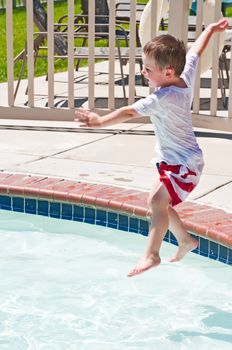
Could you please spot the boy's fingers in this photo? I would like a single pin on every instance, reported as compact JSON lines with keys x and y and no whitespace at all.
{"x":82,"y":112}
{"x":223,"y":23}
{"x":81,"y":115}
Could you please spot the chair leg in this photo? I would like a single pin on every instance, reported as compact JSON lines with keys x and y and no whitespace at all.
{"x":227,"y":69}
{"x":222,"y":80}
{"x":24,"y":57}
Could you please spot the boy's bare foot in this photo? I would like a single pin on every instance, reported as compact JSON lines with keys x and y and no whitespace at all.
{"x":183,"y":249}
{"x":145,"y":264}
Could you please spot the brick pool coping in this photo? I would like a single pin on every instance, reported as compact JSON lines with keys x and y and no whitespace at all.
{"x":202,"y":220}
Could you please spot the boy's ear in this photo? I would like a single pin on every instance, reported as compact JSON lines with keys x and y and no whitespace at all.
{"x":170,"y":72}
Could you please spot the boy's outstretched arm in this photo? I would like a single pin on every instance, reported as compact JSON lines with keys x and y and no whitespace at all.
{"x":202,"y":41}
{"x":91,"y":119}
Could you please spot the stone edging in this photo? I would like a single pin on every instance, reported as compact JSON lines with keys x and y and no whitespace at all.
{"x":201,"y":220}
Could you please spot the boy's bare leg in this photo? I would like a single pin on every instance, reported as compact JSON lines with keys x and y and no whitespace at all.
{"x":185,"y":241}
{"x":159,"y":225}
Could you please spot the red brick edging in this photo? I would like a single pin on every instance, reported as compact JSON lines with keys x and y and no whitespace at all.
{"x":202,"y":220}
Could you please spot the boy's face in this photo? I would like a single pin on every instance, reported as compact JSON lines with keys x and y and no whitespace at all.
{"x":156,"y":76}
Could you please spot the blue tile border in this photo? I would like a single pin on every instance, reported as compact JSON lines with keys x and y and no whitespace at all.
{"x":43,"y":208}
{"x":112,"y":220}
{"x":5,"y":202}
{"x":78,"y":213}
{"x":133,"y":224}
{"x":204,"y":247}
{"x":66,"y":211}
{"x":99,"y":216}
{"x":30,"y":206}
{"x":55,"y":210}
{"x":89,"y":216}
{"x":223,"y":253}
{"x":18,"y":204}
{"x":123,"y":222}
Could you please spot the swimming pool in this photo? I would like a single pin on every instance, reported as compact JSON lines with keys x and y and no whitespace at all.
{"x":64,"y":286}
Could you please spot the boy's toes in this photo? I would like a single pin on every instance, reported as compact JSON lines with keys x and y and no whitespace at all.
{"x":144,"y":265}
{"x":135,"y":272}
{"x":183,"y":249}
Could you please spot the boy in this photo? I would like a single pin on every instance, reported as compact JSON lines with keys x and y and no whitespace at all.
{"x":179,"y":162}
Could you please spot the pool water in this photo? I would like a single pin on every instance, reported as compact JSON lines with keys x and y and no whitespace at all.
{"x":64,"y":287}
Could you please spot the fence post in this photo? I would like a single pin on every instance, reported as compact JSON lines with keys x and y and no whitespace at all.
{"x":177,"y":28}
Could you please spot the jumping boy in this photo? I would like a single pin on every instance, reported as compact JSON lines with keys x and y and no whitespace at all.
{"x":179,"y":159}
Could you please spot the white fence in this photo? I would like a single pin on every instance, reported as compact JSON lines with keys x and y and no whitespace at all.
{"x":114,"y":53}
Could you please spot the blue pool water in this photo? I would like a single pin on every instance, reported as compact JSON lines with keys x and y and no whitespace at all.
{"x":64,"y":287}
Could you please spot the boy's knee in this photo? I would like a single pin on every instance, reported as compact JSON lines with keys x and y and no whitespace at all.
{"x":154,"y":201}
{"x":159,"y":200}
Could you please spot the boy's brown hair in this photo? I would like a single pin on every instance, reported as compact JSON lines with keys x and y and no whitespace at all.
{"x":166,"y":51}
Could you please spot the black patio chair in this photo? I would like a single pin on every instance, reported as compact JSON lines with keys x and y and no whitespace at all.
{"x":101,"y":26}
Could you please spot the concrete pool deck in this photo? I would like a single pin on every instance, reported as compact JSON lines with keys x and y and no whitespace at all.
{"x":117,"y":155}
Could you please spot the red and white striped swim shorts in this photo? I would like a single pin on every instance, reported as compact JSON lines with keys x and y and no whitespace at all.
{"x":178,"y":179}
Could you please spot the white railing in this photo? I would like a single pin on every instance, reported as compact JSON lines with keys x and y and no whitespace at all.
{"x":9,"y":108}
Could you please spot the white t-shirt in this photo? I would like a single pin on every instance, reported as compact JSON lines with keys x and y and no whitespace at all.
{"x":169,"y":109}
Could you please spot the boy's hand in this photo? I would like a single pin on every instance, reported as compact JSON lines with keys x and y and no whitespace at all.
{"x":203,"y":40}
{"x":220,"y":26}
{"x":87,"y":118}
